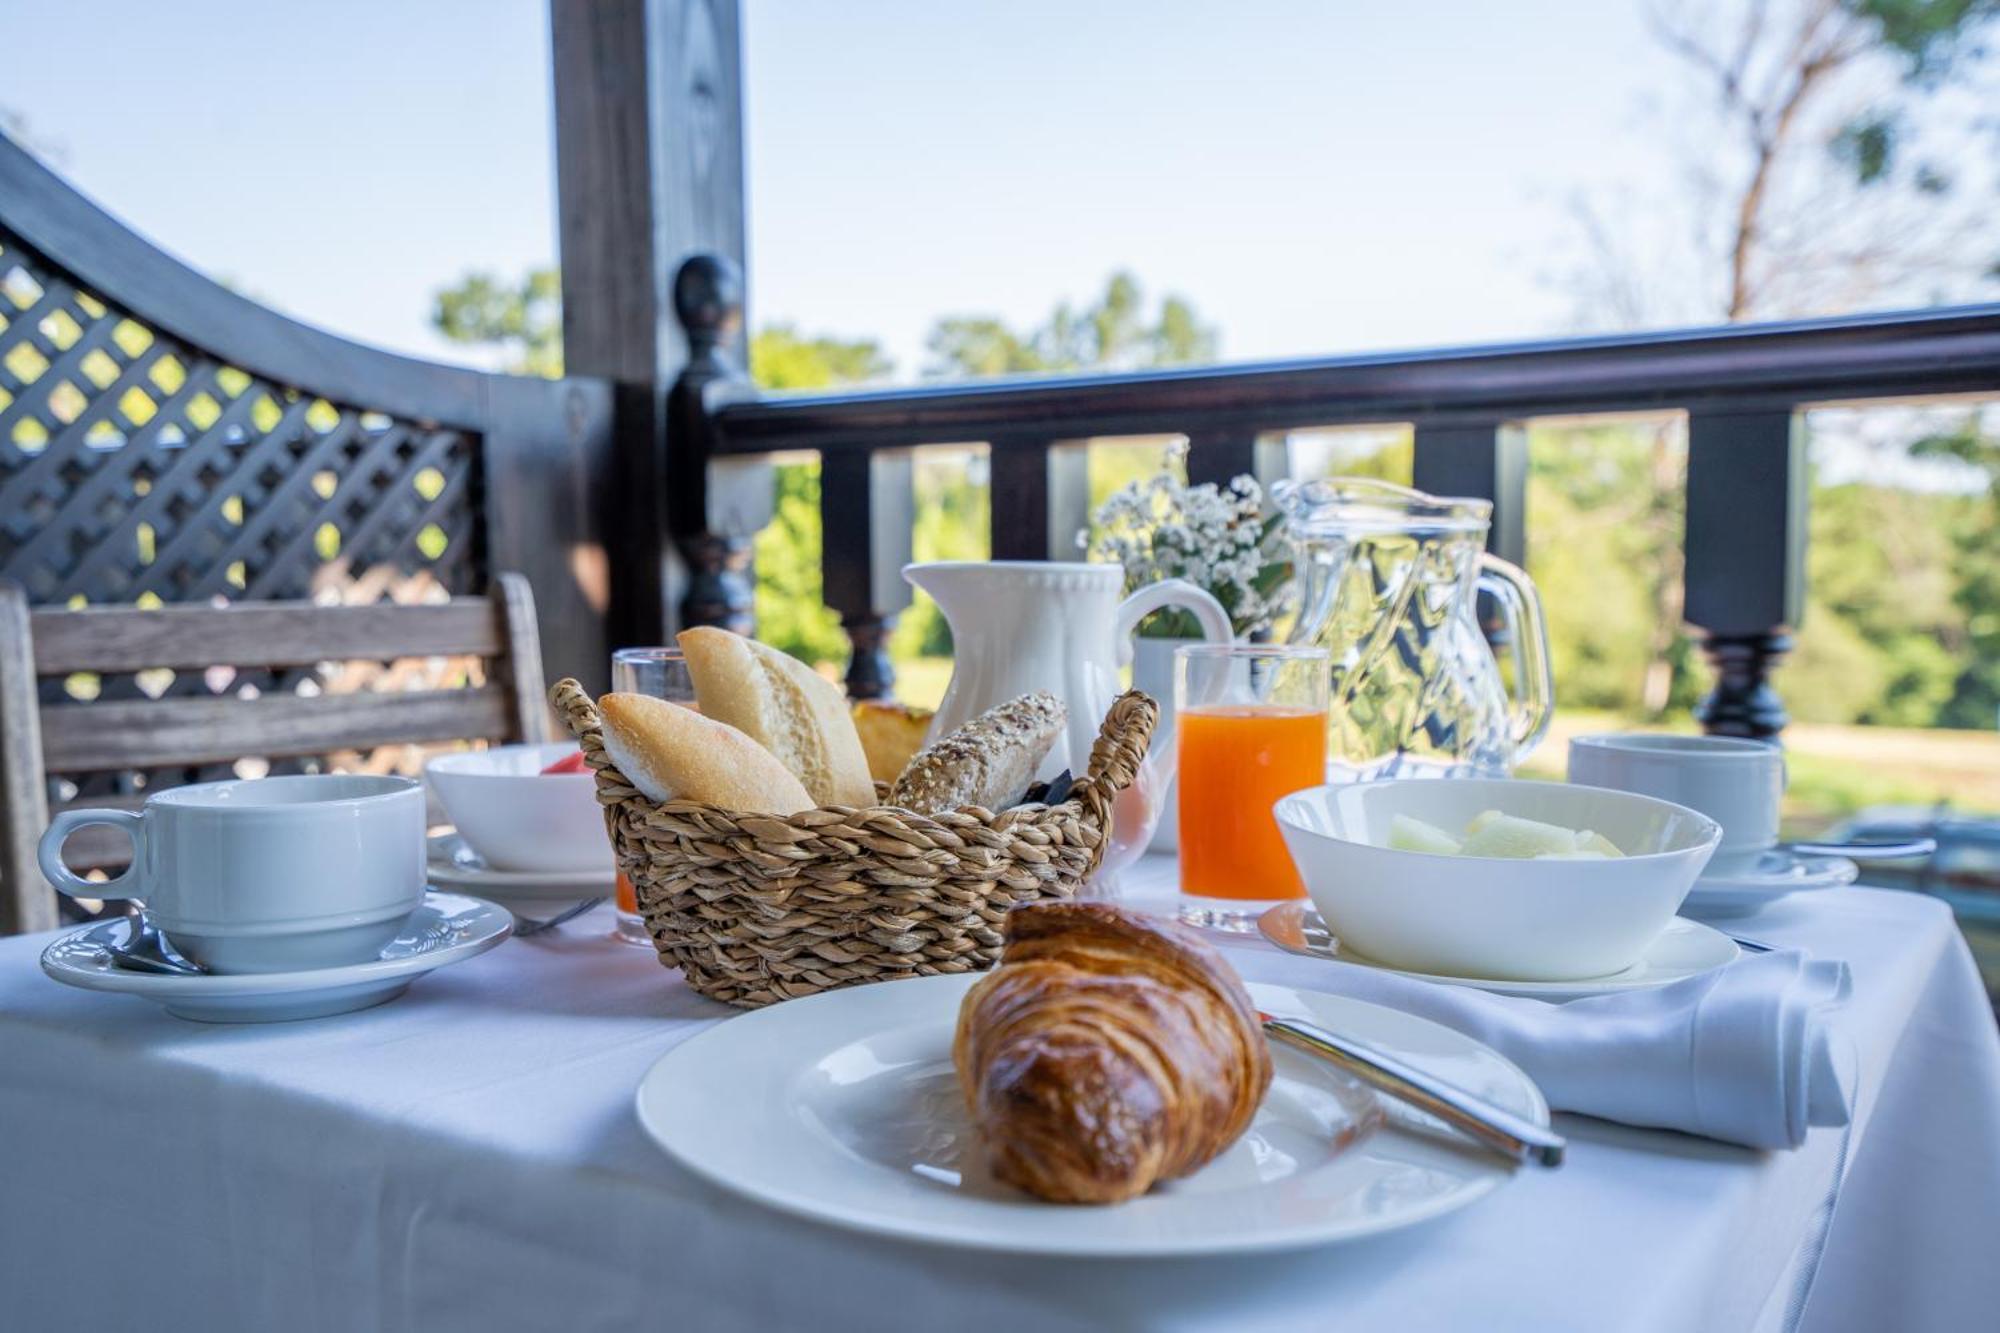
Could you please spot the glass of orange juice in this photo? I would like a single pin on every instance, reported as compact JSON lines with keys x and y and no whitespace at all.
{"x":1251,"y":727}
{"x":662,"y":673}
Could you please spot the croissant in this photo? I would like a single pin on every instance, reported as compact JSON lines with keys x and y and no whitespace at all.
{"x":1107,"y":1052}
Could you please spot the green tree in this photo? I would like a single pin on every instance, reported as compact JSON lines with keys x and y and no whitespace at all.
{"x":1826,"y":169}
{"x":1975,"y":700}
{"x":790,"y":611}
{"x":1115,"y":332}
{"x":523,"y":318}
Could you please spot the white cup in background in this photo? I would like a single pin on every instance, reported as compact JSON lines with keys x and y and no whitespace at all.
{"x":1740,"y":784}
{"x":268,"y":874}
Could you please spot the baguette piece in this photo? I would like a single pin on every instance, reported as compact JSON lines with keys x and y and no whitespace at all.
{"x":783,"y":705}
{"x":891,"y":735}
{"x":673,"y":753}
{"x":987,"y":762}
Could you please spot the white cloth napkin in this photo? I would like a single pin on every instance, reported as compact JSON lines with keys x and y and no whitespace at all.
{"x":1745,"y":1053}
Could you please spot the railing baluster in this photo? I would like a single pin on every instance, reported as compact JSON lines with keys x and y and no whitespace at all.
{"x":1039,"y":498}
{"x":1746,"y":538}
{"x":1487,"y":460}
{"x":866,"y":511}
{"x":1222,"y":456}
{"x":708,"y":302}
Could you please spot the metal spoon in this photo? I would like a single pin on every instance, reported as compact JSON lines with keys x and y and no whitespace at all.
{"x":145,"y":950}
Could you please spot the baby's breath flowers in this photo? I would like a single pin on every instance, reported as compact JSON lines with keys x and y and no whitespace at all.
{"x":1216,"y":538}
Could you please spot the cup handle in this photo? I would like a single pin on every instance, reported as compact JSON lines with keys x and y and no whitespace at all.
{"x":1208,"y":613}
{"x":49,"y":852}
{"x":1215,"y":628}
{"x":1528,"y":632}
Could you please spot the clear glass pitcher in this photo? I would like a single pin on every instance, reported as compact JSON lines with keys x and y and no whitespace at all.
{"x":1389,"y":583}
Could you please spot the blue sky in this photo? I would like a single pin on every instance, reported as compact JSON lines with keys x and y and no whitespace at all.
{"x":1314,"y":176}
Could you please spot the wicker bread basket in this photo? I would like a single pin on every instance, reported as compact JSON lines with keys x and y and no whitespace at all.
{"x":758,"y":908}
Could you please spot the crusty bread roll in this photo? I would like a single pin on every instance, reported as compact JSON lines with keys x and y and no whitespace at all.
{"x":673,"y":753}
{"x":891,"y":735}
{"x":987,"y":762}
{"x":783,"y":705}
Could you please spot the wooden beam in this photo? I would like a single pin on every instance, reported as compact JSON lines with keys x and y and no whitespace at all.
{"x":267,"y":634}
{"x":1038,"y":498}
{"x":649,"y":170}
{"x":146,"y":733}
{"x":1745,"y":567}
{"x":26,"y":902}
{"x":1220,"y":457}
{"x":548,"y":461}
{"x":867,"y":509}
{"x":1486,"y":460}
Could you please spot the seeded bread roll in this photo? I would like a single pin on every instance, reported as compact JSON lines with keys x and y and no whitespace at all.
{"x":673,"y":753}
{"x":783,"y":705}
{"x":987,"y":762}
{"x":891,"y":735}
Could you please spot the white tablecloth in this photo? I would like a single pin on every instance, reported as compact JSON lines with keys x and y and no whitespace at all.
{"x":466,"y":1157}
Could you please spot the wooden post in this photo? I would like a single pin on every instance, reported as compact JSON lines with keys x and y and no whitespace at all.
{"x":708,"y":301}
{"x":649,"y":169}
{"x":1486,"y":460}
{"x":27,"y":902}
{"x":1745,"y":570}
{"x":866,"y":511}
{"x":551,"y":443}
{"x":1222,"y":456}
{"x":1038,"y":498}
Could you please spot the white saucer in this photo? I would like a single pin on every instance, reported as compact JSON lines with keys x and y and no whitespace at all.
{"x":1684,"y":949}
{"x":448,"y":928}
{"x":844,"y":1107}
{"x":1776,"y":874}
{"x":451,"y":862}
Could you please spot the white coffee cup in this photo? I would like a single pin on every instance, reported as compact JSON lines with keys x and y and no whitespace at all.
{"x":266,"y":875}
{"x":1740,"y":784}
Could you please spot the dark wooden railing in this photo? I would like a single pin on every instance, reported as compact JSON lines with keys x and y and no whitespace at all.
{"x":1743,"y":389}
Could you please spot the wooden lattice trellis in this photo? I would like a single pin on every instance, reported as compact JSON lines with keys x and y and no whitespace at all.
{"x":136,"y":468}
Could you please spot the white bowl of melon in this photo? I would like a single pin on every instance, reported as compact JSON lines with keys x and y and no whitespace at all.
{"x":1495,"y":877}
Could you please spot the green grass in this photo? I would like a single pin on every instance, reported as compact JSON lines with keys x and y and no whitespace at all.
{"x":1835,"y":770}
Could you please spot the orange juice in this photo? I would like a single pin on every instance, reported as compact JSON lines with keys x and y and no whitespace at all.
{"x":628,"y":899}
{"x":1235,"y":762}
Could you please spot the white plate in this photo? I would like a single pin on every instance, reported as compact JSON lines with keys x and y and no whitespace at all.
{"x":1776,"y":874}
{"x":1684,"y":949}
{"x":448,"y":928}
{"x":453,"y":863}
{"x":844,"y":1107}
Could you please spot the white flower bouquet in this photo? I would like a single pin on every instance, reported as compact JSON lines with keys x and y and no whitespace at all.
{"x":1215,"y":538}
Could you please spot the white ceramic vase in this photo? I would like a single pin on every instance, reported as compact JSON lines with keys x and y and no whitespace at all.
{"x":1153,"y":672}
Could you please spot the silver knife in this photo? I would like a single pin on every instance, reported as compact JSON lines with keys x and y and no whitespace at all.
{"x":1497,"y":1128}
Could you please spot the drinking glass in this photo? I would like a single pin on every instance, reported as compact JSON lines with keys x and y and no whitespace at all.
{"x":662,"y":673}
{"x":1250,"y":721}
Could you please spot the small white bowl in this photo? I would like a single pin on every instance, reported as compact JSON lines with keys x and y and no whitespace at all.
{"x":519,"y":818}
{"x":1475,"y":916}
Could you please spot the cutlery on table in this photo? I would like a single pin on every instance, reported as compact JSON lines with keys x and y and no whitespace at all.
{"x":1493,"y":1126}
{"x":1864,"y":851}
{"x":525,"y":926}
{"x":145,"y":950}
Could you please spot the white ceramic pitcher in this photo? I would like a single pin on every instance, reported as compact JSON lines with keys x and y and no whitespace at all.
{"x":1022,"y":625}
